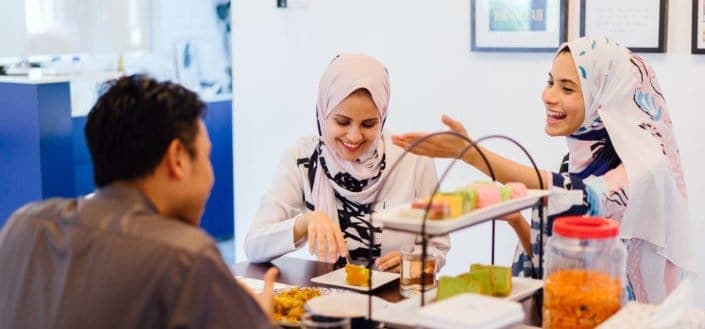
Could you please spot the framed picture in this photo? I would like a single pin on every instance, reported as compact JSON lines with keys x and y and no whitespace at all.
{"x":517,"y":25}
{"x":639,"y":25}
{"x":698,"y":41}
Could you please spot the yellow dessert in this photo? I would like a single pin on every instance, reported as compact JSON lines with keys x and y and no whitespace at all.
{"x":357,"y":275}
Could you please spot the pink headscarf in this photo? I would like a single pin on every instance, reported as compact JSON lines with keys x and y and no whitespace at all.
{"x":346,"y":74}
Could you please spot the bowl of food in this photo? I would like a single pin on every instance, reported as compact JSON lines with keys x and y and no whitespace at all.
{"x":289,"y":303}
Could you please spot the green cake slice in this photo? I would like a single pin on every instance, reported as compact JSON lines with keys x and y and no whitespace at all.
{"x":450,"y":286}
{"x":498,"y":279}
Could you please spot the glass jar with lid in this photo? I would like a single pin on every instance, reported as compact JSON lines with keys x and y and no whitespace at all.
{"x":585,"y":272}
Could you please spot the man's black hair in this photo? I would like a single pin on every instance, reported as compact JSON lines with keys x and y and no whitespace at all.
{"x":131,"y":125}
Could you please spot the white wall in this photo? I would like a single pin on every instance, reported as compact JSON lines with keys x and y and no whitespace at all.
{"x":13,"y":32}
{"x":279,"y":55}
{"x":195,"y":21}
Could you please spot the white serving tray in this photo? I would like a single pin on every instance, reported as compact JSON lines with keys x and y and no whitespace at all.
{"x":406,"y":313}
{"x":404,"y":218}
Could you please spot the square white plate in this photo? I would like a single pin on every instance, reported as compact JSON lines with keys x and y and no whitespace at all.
{"x":471,"y":311}
{"x":406,"y":312}
{"x":337,"y":278}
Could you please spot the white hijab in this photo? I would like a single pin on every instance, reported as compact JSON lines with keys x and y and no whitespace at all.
{"x":346,"y":74}
{"x":622,"y":94}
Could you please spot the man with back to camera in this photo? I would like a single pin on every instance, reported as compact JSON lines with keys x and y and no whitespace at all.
{"x":131,"y":255}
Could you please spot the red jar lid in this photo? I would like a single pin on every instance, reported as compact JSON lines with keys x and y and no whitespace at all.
{"x":582,"y":227}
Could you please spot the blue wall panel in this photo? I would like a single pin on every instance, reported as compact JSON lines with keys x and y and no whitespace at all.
{"x":218,"y":218}
{"x":35,"y":144}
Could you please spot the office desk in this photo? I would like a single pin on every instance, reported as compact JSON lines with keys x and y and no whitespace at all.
{"x":294,"y":271}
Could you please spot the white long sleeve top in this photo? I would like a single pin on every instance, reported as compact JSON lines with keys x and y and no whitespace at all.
{"x":272,"y":232}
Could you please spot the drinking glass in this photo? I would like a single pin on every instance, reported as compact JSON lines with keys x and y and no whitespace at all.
{"x":410,"y":278}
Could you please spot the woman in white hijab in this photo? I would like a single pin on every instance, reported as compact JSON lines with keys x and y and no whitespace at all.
{"x":325,"y":188}
{"x":623,"y":163}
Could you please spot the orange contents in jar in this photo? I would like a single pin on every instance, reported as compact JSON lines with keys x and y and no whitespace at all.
{"x":578,"y":298}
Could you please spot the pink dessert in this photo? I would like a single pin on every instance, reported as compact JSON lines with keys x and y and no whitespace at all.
{"x":487,"y":194}
{"x":518,"y":189}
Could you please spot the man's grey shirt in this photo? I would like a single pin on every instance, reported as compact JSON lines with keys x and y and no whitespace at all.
{"x":111,"y":261}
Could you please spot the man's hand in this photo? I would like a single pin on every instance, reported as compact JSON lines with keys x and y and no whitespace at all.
{"x":266,"y":299}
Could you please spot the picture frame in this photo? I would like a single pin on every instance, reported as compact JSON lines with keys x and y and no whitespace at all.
{"x":518,"y":25}
{"x":698,"y":36}
{"x":639,"y":25}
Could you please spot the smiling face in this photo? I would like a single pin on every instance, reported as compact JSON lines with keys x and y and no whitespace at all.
{"x":353,"y":126}
{"x":563,"y":97}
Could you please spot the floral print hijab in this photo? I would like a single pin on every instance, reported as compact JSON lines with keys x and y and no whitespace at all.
{"x":626,"y":111}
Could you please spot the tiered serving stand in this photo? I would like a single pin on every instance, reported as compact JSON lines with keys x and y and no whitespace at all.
{"x":393,"y":218}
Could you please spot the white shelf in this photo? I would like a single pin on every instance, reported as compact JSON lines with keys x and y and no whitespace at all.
{"x":404,"y":218}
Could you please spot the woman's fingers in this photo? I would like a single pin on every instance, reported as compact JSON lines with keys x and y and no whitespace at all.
{"x":331,"y":247}
{"x":321,"y":245}
{"x":405,"y":140}
{"x":453,"y":124}
{"x":388,"y":261}
{"x":395,"y":269}
{"x":325,"y":239}
{"x":342,"y":248}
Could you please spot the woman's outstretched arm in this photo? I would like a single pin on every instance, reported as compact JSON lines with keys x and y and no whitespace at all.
{"x":448,"y":146}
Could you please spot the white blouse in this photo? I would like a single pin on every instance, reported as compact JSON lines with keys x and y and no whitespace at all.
{"x":272,"y":232}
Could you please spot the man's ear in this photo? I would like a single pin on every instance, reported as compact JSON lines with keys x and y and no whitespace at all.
{"x":175,"y":159}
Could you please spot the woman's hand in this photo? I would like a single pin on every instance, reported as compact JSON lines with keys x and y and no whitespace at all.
{"x":513,"y":219}
{"x":391,"y":262}
{"x":442,"y":146}
{"x":324,"y":237}
{"x":521,"y":228}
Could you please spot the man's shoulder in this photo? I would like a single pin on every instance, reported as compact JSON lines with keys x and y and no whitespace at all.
{"x":115,"y":219}
{"x":46,"y":209}
{"x":174,"y":234}
{"x":53,"y":206}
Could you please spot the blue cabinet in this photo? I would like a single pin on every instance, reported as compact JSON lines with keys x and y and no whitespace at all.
{"x":218,"y":219}
{"x":43,"y":151}
{"x":35,"y":143}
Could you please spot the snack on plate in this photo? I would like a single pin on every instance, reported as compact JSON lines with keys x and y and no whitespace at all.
{"x":443,"y":205}
{"x":451,"y":286}
{"x":357,"y":275}
{"x":487,"y":194}
{"x":515,"y":190}
{"x":497,"y":278}
{"x":463,"y":200}
{"x":482,"y":279}
{"x":289,"y":303}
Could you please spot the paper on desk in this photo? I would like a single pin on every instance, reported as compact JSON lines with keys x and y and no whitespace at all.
{"x":258,"y":285}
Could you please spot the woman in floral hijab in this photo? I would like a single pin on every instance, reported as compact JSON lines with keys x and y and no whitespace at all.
{"x":623,"y":163}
